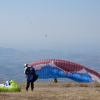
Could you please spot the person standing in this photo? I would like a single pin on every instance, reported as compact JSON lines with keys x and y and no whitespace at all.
{"x":55,"y":80}
{"x":30,"y":76}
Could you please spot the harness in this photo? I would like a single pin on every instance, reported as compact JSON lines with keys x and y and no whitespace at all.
{"x":30,"y":73}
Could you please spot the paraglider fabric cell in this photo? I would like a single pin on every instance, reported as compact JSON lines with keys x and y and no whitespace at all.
{"x":9,"y":86}
{"x":55,"y":68}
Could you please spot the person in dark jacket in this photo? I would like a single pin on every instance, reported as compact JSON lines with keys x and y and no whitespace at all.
{"x":30,"y":75}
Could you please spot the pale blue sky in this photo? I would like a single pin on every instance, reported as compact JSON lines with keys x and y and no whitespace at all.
{"x":69,"y":25}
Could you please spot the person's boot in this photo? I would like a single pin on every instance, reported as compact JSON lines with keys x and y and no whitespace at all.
{"x":26,"y":89}
{"x":32,"y":89}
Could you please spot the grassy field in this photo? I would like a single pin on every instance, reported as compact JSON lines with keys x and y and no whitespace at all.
{"x":55,"y":91}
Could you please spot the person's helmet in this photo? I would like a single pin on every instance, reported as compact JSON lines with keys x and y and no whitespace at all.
{"x":25,"y":65}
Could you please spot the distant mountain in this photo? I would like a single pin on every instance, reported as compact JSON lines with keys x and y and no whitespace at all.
{"x":12,"y":61}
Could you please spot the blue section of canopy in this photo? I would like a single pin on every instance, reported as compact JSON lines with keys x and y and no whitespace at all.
{"x":52,"y":72}
{"x":80,"y":77}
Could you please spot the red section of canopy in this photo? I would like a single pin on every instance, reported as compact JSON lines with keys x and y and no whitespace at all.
{"x":67,"y":66}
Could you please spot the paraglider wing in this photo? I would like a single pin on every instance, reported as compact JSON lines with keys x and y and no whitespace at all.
{"x":10,"y":86}
{"x":55,"y":68}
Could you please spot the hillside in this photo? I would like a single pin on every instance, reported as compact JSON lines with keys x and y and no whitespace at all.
{"x":55,"y":91}
{"x":12,"y":61}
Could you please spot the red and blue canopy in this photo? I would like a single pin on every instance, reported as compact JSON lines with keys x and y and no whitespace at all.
{"x":55,"y":68}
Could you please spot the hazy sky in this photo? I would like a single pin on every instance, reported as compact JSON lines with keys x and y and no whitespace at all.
{"x":60,"y":25}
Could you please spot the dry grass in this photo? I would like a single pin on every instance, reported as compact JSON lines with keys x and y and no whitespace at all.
{"x":56,"y":91}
